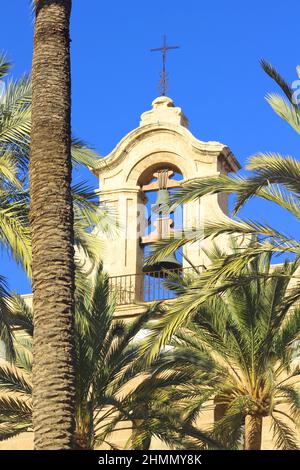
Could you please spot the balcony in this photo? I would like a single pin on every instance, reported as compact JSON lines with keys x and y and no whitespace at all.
{"x":147,"y":287}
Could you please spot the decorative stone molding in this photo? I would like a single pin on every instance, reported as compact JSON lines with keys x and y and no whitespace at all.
{"x":163,"y":110}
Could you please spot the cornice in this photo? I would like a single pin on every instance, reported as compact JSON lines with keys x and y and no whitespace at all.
{"x":134,"y":137}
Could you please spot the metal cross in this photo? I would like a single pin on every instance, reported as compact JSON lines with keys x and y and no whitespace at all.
{"x":163,"y":84}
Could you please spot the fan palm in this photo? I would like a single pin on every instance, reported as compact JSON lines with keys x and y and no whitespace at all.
{"x":237,"y":349}
{"x":113,"y":389}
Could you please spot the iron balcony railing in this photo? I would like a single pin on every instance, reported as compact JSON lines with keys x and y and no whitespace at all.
{"x":146,"y":287}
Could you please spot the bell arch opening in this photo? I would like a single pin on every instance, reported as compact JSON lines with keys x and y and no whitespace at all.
{"x":146,"y":177}
{"x":158,"y":183}
{"x":141,"y":171}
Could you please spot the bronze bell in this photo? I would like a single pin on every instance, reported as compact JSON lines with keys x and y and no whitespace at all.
{"x":162,"y":204}
{"x":162,"y":208}
{"x":167,"y":263}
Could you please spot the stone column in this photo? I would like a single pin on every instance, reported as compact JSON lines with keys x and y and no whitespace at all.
{"x":123,"y":255}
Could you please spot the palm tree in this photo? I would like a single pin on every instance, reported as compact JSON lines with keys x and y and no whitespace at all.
{"x":114,"y":389}
{"x":52,"y":235}
{"x":238,"y":349}
{"x":106,"y":361}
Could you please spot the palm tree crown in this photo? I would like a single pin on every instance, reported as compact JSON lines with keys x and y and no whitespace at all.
{"x":15,"y":130}
{"x":238,"y":348}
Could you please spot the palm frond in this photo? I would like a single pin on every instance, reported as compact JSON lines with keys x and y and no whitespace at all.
{"x":22,"y":315}
{"x":82,"y":154}
{"x":283,"y":435}
{"x":14,"y":406}
{"x":275,"y":75}
{"x":14,"y":231}
{"x":11,"y":380}
{"x":286,"y":111}
{"x":8,"y":169}
{"x":6,"y":333}
{"x":4,"y":65}
{"x":13,"y":427}
{"x":292,"y":395}
{"x":229,"y":429}
{"x":275,"y":168}
{"x":23,"y":347}
{"x":240,"y":230}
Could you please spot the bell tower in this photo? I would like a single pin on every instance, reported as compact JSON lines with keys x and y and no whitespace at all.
{"x":156,"y":157}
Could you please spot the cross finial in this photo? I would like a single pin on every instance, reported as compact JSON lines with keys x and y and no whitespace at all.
{"x":163,"y":84}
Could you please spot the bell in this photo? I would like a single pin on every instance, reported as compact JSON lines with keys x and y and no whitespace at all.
{"x":167,"y":263}
{"x":162,"y":203}
{"x":162,"y":208}
{"x":163,"y":197}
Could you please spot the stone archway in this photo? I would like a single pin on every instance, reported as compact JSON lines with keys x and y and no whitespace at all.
{"x":145,"y":167}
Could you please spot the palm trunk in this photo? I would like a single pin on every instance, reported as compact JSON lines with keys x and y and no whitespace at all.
{"x":253,"y":432}
{"x":51,"y":214}
{"x":219,"y":410}
{"x":82,"y":442}
{"x":84,"y":431}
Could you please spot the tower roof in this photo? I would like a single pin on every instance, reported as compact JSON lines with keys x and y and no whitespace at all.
{"x":165,"y":129}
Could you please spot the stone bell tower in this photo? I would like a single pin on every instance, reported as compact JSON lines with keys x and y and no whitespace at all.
{"x":161,"y":144}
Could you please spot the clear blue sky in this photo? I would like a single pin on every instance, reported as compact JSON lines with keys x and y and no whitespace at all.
{"x":215,"y":76}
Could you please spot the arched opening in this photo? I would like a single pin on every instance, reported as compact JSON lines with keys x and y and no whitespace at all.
{"x":158,"y":183}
